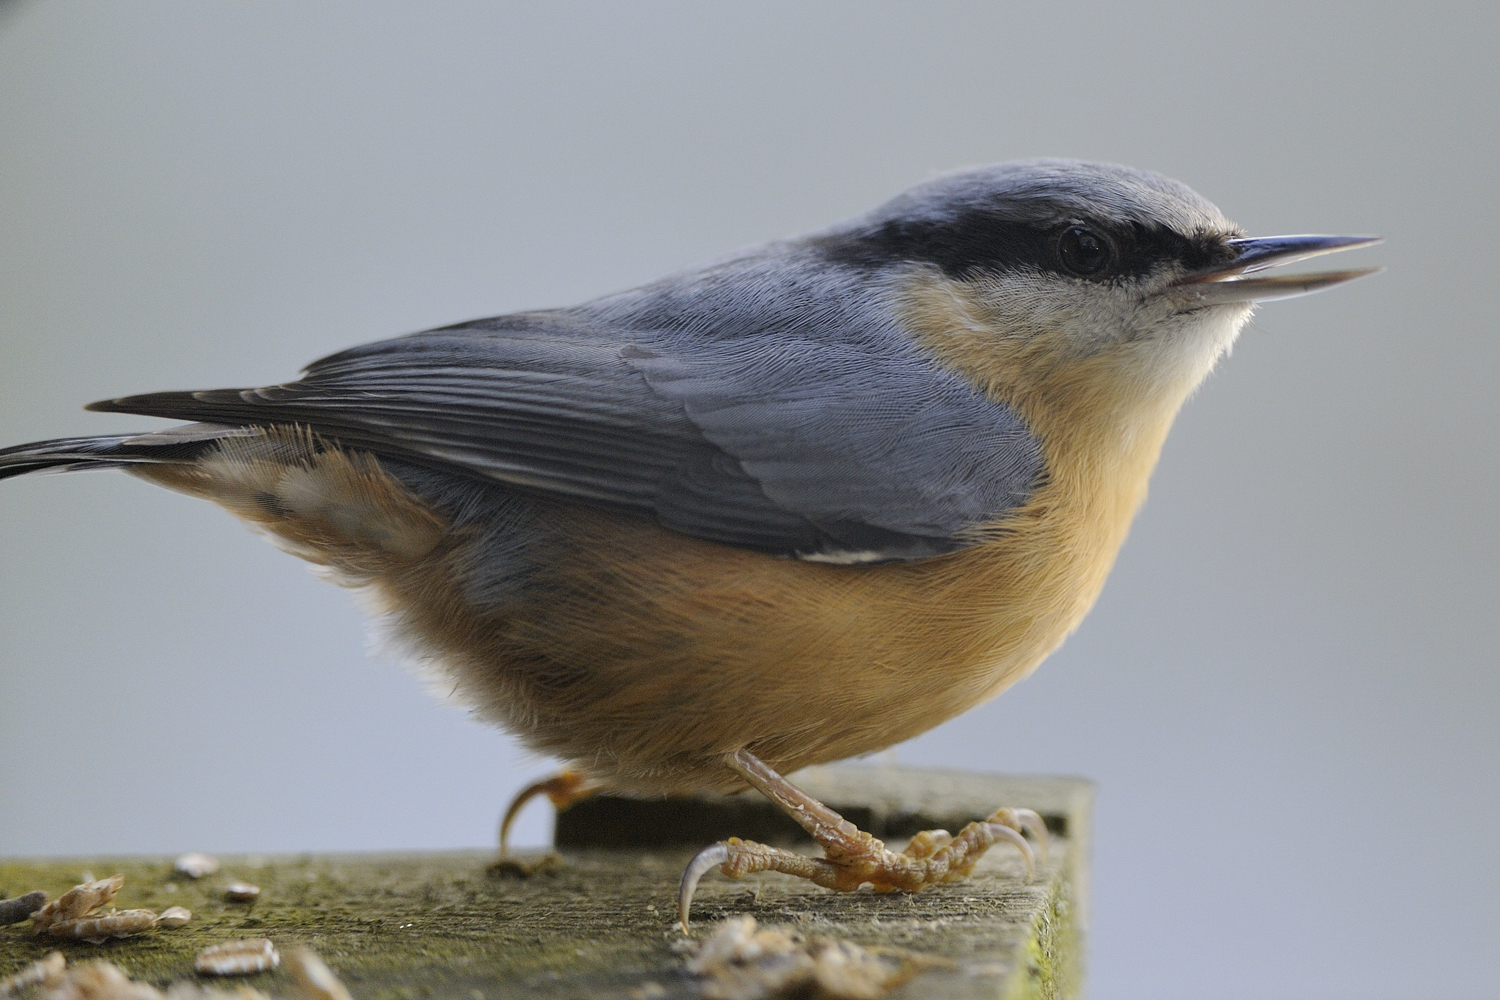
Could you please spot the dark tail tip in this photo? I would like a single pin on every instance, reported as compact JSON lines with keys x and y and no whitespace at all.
{"x":62,"y":455}
{"x":111,"y":451}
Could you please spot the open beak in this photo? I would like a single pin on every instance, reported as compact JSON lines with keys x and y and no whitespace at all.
{"x":1229,"y":282}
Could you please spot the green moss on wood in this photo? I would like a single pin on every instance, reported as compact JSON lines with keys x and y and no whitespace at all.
{"x":410,"y":927}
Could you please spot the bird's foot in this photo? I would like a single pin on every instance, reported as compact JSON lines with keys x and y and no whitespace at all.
{"x":563,"y":789}
{"x":851,"y":857}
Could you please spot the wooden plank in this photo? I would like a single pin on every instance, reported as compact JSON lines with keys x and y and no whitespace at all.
{"x":602,"y":922}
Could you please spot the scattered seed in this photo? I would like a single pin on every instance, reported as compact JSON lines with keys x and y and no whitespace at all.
{"x":740,"y":962}
{"x":313,"y":979}
{"x":186,"y":989}
{"x":174,"y":916}
{"x":197,"y":865}
{"x":99,"y":928}
{"x":242,"y":892}
{"x":13,"y":911}
{"x":98,"y":981}
{"x":844,"y":969}
{"x":72,"y":915}
{"x":238,"y":958}
{"x":36,"y":973}
{"x":77,"y":902}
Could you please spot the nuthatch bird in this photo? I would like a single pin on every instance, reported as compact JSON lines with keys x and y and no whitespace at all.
{"x":793,"y":506}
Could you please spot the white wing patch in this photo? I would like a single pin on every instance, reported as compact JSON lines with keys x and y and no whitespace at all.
{"x":844,"y":558}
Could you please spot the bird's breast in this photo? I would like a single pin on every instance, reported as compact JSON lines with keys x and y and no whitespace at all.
{"x":645,"y":655}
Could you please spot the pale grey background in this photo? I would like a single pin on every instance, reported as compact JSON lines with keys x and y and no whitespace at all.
{"x":1288,"y":692}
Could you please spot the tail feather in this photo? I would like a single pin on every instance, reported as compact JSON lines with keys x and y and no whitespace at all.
{"x":113,"y":451}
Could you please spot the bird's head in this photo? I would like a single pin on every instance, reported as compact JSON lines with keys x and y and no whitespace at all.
{"x":1081,"y":279}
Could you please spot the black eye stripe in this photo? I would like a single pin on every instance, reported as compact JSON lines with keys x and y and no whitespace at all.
{"x":1085,"y":252}
{"x":977,"y":242}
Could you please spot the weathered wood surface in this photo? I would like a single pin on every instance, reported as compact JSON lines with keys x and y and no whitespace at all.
{"x":602,"y":923}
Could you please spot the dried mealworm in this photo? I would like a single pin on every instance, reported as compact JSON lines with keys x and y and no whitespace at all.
{"x":77,"y":901}
{"x":37,"y":972}
{"x":96,"y":929}
{"x":238,"y":958}
{"x":174,"y":916}
{"x":13,"y":911}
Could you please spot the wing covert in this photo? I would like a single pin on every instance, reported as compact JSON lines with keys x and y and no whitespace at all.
{"x":759,"y":429}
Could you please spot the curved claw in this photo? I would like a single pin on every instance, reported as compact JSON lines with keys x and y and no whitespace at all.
{"x":1002,"y":832}
{"x":564,"y":788}
{"x":518,"y":803}
{"x":1033,"y":824}
{"x":709,"y":858}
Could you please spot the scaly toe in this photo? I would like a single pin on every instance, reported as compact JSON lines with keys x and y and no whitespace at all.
{"x":927,"y":843}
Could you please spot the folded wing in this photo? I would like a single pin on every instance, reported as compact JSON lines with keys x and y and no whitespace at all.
{"x":815,"y":448}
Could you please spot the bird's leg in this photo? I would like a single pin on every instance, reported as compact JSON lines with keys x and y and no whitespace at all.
{"x":564,"y":788}
{"x":851,"y":857}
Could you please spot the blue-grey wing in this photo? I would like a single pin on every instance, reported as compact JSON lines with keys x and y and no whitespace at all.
{"x":888,"y":458}
{"x":763,"y":425}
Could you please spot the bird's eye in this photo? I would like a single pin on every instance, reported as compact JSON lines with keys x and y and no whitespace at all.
{"x":1084,"y":253}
